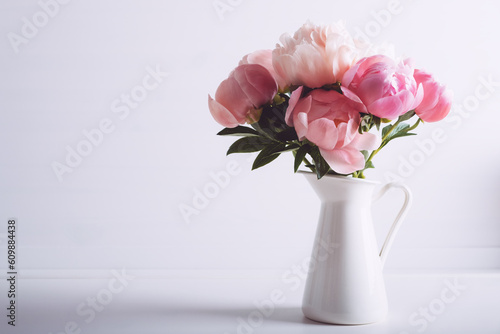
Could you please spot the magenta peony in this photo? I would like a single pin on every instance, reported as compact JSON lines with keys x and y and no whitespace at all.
{"x":387,"y":89}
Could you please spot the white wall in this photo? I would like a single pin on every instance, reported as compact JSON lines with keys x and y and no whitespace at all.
{"x":120,"y":206}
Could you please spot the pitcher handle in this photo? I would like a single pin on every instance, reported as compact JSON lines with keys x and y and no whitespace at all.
{"x":399,"y":219}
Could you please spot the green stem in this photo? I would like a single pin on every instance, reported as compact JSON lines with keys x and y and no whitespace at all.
{"x":361,"y":175}
{"x":387,"y":135}
{"x":414,"y":125}
{"x":383,"y":139}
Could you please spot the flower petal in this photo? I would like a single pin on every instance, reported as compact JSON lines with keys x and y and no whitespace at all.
{"x":407,"y":100}
{"x":350,"y":94}
{"x":221,"y":114}
{"x":372,"y":88}
{"x":264,"y":58}
{"x":323,"y":133}
{"x":256,"y":82}
{"x":347,"y":132}
{"x":231,"y":96}
{"x":419,"y":97}
{"x":344,"y":161}
{"x":292,"y":102}
{"x":366,"y":141}
{"x":440,"y":111}
{"x":388,"y":107}
{"x":301,"y":125}
{"x":350,"y":74}
{"x":300,"y":117}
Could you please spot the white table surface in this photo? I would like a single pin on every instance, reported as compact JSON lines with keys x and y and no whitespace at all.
{"x":218,"y":302}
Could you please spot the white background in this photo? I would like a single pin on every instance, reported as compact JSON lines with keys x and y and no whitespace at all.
{"x":120,"y":208}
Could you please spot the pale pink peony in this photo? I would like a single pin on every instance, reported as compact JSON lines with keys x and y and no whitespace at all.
{"x":387,"y":89}
{"x":437,"y":100}
{"x":330,"y":120}
{"x":265,"y":58}
{"x":239,"y":98}
{"x":317,"y":55}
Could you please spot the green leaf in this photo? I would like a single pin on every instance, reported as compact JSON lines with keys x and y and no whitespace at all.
{"x":369,"y":164}
{"x":261,"y":161}
{"x":263,"y":132}
{"x":300,"y":155}
{"x":320,"y":163}
{"x":289,"y":134}
{"x":268,"y":154}
{"x":403,"y":134}
{"x":364,"y":124}
{"x":365,"y":154}
{"x":406,"y":116}
{"x":238,"y":131}
{"x":249,"y":144}
{"x":272,"y":119}
{"x":367,"y":122}
{"x":377,"y":121}
{"x":386,"y":129}
{"x":288,"y":148}
{"x":401,"y":130}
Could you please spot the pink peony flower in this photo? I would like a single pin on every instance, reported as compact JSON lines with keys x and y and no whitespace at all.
{"x":330,"y":120}
{"x":436,"y":103}
{"x":240,"y":97}
{"x":387,"y":89}
{"x":316,"y":55}
{"x":265,"y":58}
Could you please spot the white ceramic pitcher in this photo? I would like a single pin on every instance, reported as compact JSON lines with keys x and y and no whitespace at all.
{"x":347,"y":286}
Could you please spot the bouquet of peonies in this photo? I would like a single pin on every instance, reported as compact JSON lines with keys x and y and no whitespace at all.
{"x":323,"y":96}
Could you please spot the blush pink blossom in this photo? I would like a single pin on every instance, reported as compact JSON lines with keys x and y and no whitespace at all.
{"x":437,"y":100}
{"x":239,"y":98}
{"x":316,"y":55}
{"x":330,"y":120}
{"x":265,"y":58}
{"x":387,"y":89}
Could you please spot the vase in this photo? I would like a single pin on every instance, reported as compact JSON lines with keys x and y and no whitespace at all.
{"x":345,"y":284}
